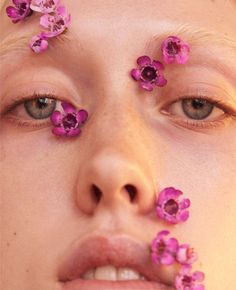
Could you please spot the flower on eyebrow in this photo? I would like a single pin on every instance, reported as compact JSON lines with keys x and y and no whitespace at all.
{"x":20,"y":11}
{"x":187,"y":281}
{"x":163,"y":251}
{"x":44,"y":6}
{"x":186,"y":255}
{"x":149,"y":73}
{"x":169,"y":208}
{"x":57,"y":23}
{"x":173,"y":48}
{"x":69,"y":122}
{"x":39,"y":43}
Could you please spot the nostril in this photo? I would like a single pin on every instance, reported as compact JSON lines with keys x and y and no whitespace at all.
{"x":96,"y":193}
{"x":132,"y":191}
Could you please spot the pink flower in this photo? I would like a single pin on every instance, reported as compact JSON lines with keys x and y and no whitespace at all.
{"x":173,"y":48}
{"x":186,"y":255}
{"x":170,"y":208}
{"x":163,"y":251}
{"x":56,"y":24}
{"x":187,"y":281}
{"x":20,"y":11}
{"x":44,"y":6}
{"x":149,"y":73}
{"x":39,"y":43}
{"x":68,"y":124}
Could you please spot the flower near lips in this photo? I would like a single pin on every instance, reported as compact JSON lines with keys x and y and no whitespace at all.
{"x":20,"y":11}
{"x":69,"y":122}
{"x":44,"y":6}
{"x":163,"y":250}
{"x":57,"y":23}
{"x":186,"y":255}
{"x":187,"y":281}
{"x":169,"y":207}
{"x":173,"y":48}
{"x":149,"y":73}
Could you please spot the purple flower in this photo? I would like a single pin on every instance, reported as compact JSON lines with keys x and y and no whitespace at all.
{"x":149,"y":73}
{"x":56,"y":24}
{"x":187,"y":281}
{"x":20,"y":11}
{"x":39,"y":43}
{"x":163,"y":251}
{"x":170,"y":208}
{"x":68,"y":124}
{"x":44,"y":6}
{"x":186,"y":255}
{"x":173,"y":48}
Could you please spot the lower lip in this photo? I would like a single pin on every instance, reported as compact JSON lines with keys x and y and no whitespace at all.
{"x":80,"y":284}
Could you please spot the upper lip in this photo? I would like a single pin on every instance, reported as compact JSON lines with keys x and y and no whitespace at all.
{"x":119,"y":251}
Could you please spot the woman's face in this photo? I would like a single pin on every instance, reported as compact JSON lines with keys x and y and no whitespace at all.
{"x":90,"y":200}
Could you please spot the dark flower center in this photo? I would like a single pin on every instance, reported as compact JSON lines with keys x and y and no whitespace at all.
{"x":161,"y":247}
{"x":49,"y":4}
{"x":187,"y":280}
{"x":69,"y":121}
{"x":171,"y":207}
{"x":173,"y":48}
{"x":58,"y":25}
{"x":149,"y":73}
{"x":22,"y":8}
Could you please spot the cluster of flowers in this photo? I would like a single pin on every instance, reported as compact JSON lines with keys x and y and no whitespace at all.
{"x":150,"y":72}
{"x":55,"y":19}
{"x":167,"y":251}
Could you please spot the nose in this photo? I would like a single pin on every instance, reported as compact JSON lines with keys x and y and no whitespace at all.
{"x":115,"y":170}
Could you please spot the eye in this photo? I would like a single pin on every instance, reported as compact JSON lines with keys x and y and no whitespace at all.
{"x":40,"y":108}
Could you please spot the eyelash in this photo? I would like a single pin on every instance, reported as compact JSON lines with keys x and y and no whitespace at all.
{"x":191,"y":124}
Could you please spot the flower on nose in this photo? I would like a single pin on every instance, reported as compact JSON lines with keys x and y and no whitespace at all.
{"x":149,"y":73}
{"x":186,"y":255}
{"x":20,"y":11}
{"x":173,"y":48}
{"x":163,"y":250}
{"x":69,"y":122}
{"x":44,"y":6}
{"x":170,"y":208}
{"x":187,"y":281}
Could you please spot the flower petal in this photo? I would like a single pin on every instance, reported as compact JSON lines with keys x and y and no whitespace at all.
{"x":166,"y":259}
{"x":73,"y":132}
{"x":56,"y":118}
{"x":59,"y":131}
{"x":146,"y":86}
{"x":82,"y":116}
{"x":68,"y":108}
{"x":143,"y":60}
{"x":136,"y":74}
{"x":158,"y":65}
{"x":161,"y":81}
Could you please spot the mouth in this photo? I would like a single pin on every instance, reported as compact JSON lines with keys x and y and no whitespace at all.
{"x":103,"y":262}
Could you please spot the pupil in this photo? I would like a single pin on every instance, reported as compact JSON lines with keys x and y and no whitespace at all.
{"x":171,"y":207}
{"x":198,"y":104}
{"x":69,"y":121}
{"x":41,"y":103}
{"x":149,"y":73}
{"x":197,"y":109}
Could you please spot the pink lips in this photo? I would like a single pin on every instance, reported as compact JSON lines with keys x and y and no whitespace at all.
{"x":119,"y":251}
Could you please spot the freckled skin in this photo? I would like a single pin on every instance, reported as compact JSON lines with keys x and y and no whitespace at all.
{"x":45,"y":181}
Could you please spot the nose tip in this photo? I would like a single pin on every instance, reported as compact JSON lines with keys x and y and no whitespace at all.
{"x":109,"y":180}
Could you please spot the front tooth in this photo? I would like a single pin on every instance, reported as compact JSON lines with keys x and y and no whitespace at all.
{"x":127,"y":274}
{"x":106,"y":273}
{"x":89,"y":275}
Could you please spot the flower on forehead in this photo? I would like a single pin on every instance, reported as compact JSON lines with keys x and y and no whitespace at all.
{"x":187,"y":281}
{"x":44,"y":6}
{"x":163,"y":250}
{"x":20,"y":11}
{"x":69,"y":122}
{"x":57,"y":23}
{"x":170,"y":208}
{"x":39,"y":43}
{"x":173,"y":48}
{"x":149,"y":73}
{"x":186,"y":255}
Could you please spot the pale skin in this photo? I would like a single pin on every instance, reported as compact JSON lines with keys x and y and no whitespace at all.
{"x":46,"y":201}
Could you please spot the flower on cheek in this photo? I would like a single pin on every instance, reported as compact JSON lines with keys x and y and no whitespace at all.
{"x":20,"y":11}
{"x":163,"y":251}
{"x":44,"y":6}
{"x":69,"y":123}
{"x":187,"y":281}
{"x":170,"y":208}
{"x":173,"y":48}
{"x":39,"y":43}
{"x":186,"y":255}
{"x":149,"y":73}
{"x":57,"y":23}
